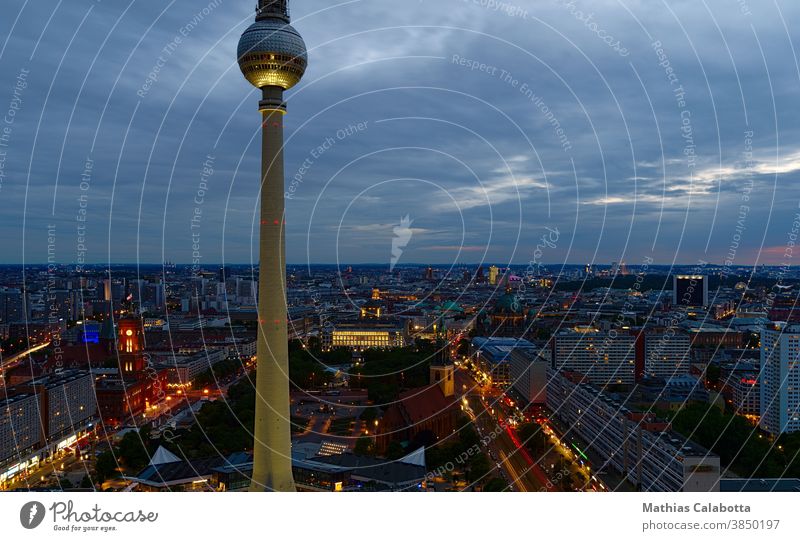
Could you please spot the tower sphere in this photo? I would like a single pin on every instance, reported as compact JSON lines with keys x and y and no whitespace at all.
{"x":272,"y":53}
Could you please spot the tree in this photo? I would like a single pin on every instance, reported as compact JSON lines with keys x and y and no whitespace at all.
{"x":219,"y":371}
{"x":364,"y":446}
{"x":369,"y":415}
{"x":467,"y":435}
{"x":132,"y":451}
{"x":385,"y":373}
{"x":223,"y":426}
{"x":463,"y":347}
{"x":86,"y":482}
{"x":543,"y":333}
{"x":314,"y":343}
{"x":65,"y":484}
{"x":478,"y":467}
{"x":737,"y":442}
{"x":534,"y":438}
{"x":496,"y":485}
{"x":712,"y":374}
{"x":106,"y":466}
{"x":567,"y":482}
{"x":395,"y":451}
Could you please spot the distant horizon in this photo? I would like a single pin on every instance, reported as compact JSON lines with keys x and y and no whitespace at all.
{"x":469,"y":264}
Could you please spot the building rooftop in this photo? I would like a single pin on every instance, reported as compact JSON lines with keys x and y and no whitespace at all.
{"x":623,"y":406}
{"x":759,"y":485}
{"x":58,"y":379}
{"x":372,"y":469}
{"x":499,"y":349}
{"x":186,"y":471}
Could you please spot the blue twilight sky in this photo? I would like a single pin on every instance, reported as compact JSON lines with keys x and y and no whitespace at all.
{"x":620,"y":129}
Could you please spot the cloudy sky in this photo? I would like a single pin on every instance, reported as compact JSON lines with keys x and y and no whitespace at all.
{"x":620,"y":129}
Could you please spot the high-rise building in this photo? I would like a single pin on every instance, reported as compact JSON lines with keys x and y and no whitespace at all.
{"x":272,"y":57}
{"x":246,"y":290}
{"x":634,"y":442}
{"x":528,"y":367}
{"x":13,"y":306}
{"x":780,"y":379}
{"x":42,"y":416}
{"x":666,"y":354}
{"x":154,"y":295}
{"x":20,"y":429}
{"x":690,"y":290}
{"x":494,"y":272}
{"x":605,"y":358}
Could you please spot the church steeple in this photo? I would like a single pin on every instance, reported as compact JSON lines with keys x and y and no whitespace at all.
{"x":506,"y":282}
{"x":440,"y":333}
{"x":442,"y":369}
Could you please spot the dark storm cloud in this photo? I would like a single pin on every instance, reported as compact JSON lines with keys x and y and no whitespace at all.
{"x":484,"y":123}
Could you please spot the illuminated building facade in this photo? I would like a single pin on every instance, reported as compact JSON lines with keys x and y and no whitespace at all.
{"x":359,"y":336}
{"x":43,"y":416}
{"x":139,"y":384}
{"x":494,"y":272}
{"x":493,"y":356}
{"x":666,"y":355}
{"x":20,"y":431}
{"x":780,"y":379}
{"x":372,"y":309}
{"x":634,"y":443}
{"x":130,"y":345}
{"x":690,"y":290}
{"x":746,"y":395}
{"x":604,"y":358}
{"x":528,"y":372}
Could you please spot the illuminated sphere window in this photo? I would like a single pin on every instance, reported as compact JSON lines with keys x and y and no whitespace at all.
{"x":272,"y":53}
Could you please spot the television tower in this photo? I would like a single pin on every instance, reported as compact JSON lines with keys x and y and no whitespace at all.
{"x":272,"y":56}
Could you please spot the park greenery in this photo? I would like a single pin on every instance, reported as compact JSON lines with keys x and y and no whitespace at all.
{"x":219,"y":371}
{"x":308,"y":366}
{"x":130,"y":456}
{"x":223,"y":427}
{"x":385,"y":373}
{"x":739,"y":444}
{"x":449,"y":454}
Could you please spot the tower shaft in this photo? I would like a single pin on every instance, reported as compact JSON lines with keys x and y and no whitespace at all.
{"x":272,"y":459}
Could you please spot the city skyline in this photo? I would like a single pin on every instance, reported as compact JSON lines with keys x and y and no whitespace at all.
{"x":489,"y":96}
{"x":463,"y":246}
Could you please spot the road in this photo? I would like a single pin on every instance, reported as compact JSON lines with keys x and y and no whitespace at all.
{"x":515,"y":461}
{"x":45,"y":475}
{"x":12,"y":361}
{"x":489,"y":408}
